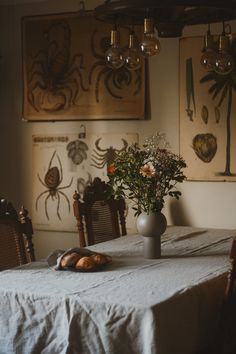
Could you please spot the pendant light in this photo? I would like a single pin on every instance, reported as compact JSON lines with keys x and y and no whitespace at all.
{"x":114,"y":55}
{"x":224,"y":62}
{"x":132,"y":56}
{"x":150,"y":45}
{"x":169,"y":19}
{"x":208,"y":57}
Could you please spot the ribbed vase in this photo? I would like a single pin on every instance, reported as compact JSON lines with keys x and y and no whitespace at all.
{"x":151,"y":226}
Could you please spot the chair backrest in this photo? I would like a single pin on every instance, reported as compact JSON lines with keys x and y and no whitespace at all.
{"x":230,"y":291}
{"x":224,"y":341}
{"x":99,"y":218}
{"x":16,"y":247}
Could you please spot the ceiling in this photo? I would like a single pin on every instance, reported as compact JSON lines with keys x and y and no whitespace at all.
{"x":15,"y":2}
{"x":169,"y":16}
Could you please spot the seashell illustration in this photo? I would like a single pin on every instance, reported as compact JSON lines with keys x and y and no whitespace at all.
{"x":217,"y":114}
{"x":204,"y":114}
{"x":205,"y":146}
{"x":77,"y":151}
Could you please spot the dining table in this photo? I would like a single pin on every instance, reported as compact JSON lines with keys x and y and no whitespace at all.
{"x":133,"y":305}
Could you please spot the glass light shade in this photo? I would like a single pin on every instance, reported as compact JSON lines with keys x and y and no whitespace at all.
{"x":132,"y":55}
{"x":114,"y":55}
{"x":132,"y":59}
{"x":208,"y":60}
{"x":150,"y":45}
{"x":224,"y":63}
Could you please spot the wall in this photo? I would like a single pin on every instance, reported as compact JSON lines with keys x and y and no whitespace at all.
{"x":203,"y":204}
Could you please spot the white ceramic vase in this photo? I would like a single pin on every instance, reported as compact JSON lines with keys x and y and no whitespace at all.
{"x":151,"y":226}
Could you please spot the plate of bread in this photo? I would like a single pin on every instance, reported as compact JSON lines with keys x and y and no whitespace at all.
{"x":78,"y":260}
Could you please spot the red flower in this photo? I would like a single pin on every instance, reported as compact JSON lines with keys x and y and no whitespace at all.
{"x":111,"y":169}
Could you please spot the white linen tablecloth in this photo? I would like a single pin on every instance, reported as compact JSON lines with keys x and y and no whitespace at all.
{"x":132,"y":306}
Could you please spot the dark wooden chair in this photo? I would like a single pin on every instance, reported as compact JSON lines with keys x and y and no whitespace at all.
{"x":99,"y":218}
{"x":16,"y":247}
{"x":224,"y":342}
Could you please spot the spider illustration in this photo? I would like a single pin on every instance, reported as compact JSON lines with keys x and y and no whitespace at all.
{"x":102,"y":157}
{"x":114,"y":80}
{"x":52,"y":180}
{"x":54,"y":77}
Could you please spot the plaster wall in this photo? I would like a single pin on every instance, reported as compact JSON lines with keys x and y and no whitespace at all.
{"x":203,"y":204}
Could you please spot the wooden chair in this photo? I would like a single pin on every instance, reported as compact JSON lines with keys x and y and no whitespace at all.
{"x":224,"y":341}
{"x":99,"y":218}
{"x":16,"y":247}
{"x":230,"y":292}
{"x":226,"y":344}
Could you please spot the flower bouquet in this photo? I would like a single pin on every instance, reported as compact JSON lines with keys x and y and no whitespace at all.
{"x":147,"y":175}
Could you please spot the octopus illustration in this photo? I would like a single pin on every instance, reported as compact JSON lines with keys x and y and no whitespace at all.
{"x":105,"y":156}
{"x":55,"y":79}
{"x":52,"y":180}
{"x":114,"y":80}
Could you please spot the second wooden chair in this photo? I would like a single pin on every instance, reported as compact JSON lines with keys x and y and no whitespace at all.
{"x":224,"y":341}
{"x":99,"y":218}
{"x":16,"y":247}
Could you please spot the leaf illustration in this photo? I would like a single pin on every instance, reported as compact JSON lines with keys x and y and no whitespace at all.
{"x":190,"y":88}
{"x":217,"y":114}
{"x":204,"y":114}
{"x":223,"y":95}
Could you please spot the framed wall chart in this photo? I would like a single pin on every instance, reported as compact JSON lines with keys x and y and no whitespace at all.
{"x":207,"y":116}
{"x":65,"y":73}
{"x":65,"y":163}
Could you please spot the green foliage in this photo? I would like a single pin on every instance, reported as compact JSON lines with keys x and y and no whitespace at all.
{"x":146,"y":176}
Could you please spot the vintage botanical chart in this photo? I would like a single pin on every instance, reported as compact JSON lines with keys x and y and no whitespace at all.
{"x":207,"y":116}
{"x":65,"y":73}
{"x":65,"y":163}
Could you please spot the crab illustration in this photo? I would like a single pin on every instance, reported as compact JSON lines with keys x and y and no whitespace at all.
{"x":114,"y":80}
{"x":102,"y":157}
{"x":52,"y":180}
{"x":54,"y":76}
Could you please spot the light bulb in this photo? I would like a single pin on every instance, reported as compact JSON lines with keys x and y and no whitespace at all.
{"x":114,"y":54}
{"x":224,"y":62}
{"x":208,"y":58}
{"x":150,"y":45}
{"x":132,"y":56}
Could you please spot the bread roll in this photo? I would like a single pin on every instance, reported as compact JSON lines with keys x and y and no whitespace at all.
{"x":70,"y":260}
{"x":85,"y":263}
{"x":99,"y":259}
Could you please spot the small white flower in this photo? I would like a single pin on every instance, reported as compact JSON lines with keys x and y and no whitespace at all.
{"x":148,"y":170}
